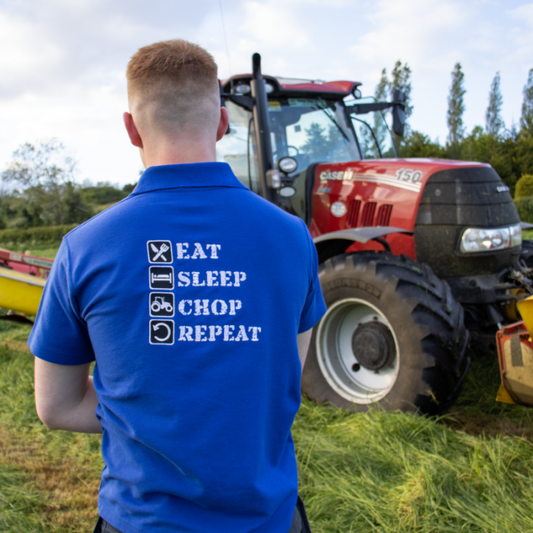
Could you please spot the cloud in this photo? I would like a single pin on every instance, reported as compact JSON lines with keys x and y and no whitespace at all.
{"x":523,"y":13}
{"x":62,"y":62}
{"x":413,"y":30}
{"x":59,"y":43}
{"x":26,"y":56}
{"x":274,"y":23}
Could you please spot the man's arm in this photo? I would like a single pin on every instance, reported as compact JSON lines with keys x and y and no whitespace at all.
{"x":65,"y":397}
{"x":304,"y":339}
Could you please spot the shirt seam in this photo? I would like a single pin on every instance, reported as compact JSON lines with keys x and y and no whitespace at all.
{"x":70,"y":285}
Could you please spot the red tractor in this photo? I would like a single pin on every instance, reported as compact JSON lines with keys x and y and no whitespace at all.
{"x":417,"y":256}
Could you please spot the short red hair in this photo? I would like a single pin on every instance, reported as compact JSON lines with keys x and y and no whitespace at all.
{"x":176,"y":61}
{"x":173,"y":85}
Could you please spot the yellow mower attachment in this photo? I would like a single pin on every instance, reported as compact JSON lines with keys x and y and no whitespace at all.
{"x":20,"y":292}
{"x":515,"y":355}
{"x":22,"y":280}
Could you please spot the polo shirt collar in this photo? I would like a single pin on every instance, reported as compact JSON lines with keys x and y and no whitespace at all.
{"x":187,"y":175}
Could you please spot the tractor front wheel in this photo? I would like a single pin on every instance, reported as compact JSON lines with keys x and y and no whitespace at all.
{"x":392,"y":335}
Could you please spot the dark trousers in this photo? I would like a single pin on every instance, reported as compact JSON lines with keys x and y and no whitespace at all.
{"x":300,"y":524}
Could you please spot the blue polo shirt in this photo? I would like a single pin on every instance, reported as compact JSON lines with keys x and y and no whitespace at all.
{"x":189,"y":294}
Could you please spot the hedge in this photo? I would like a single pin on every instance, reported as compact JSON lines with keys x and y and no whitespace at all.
{"x":524,"y":186}
{"x":525,"y":208}
{"x":41,"y":235}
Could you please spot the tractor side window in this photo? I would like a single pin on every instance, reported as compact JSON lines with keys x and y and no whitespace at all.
{"x":237,"y":148}
{"x":373,"y":133}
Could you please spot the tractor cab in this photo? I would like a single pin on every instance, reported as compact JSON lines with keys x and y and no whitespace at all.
{"x":310,"y":125}
{"x":307,"y":121}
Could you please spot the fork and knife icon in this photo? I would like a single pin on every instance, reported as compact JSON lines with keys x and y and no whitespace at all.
{"x":159,"y":251}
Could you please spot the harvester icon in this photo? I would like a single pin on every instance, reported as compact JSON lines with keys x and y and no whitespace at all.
{"x":160,"y":303}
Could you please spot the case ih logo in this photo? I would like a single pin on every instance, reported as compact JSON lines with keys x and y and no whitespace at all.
{"x":335,"y":176}
{"x":407,"y":179}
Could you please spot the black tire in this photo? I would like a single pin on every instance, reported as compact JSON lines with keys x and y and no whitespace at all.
{"x":392,"y":300}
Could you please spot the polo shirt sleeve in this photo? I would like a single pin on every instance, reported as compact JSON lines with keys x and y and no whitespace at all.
{"x":314,"y":307}
{"x":60,"y":334}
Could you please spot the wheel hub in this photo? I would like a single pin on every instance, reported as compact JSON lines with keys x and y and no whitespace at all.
{"x":341,"y":367}
{"x":373,"y":345}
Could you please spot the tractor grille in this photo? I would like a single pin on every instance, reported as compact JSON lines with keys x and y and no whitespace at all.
{"x":459,"y":198}
{"x":367,"y":218}
{"x":384,"y":214}
{"x":353,"y":213}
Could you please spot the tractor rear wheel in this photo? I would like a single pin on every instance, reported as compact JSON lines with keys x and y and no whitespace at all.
{"x":392,"y":335}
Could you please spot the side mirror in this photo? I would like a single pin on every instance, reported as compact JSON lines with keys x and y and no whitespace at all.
{"x":398,"y":112}
{"x":357,"y":94}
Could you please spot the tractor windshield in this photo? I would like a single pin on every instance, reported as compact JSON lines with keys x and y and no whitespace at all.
{"x":312,"y":130}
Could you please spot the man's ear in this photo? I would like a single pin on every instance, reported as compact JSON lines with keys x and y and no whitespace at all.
{"x":131,"y":128}
{"x":223,"y":124}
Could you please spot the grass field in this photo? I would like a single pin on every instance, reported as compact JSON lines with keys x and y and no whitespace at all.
{"x":378,"y":471}
{"x":470,"y":471}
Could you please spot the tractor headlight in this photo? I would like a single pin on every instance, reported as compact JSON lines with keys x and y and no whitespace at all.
{"x":483,"y":240}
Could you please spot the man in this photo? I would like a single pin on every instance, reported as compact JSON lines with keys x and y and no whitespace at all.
{"x":195,"y":297}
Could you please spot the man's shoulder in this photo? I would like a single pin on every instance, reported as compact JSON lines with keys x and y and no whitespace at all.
{"x":97,"y":225}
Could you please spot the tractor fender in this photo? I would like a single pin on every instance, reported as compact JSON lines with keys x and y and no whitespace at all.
{"x":337,"y":242}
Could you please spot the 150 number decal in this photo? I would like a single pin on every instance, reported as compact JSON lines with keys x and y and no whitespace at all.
{"x":406,"y":174}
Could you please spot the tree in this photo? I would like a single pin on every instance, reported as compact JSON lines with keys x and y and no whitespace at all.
{"x":526,"y":120}
{"x":128,"y":188}
{"x":416,"y":144}
{"x":493,"y":120}
{"x":316,"y":141}
{"x":382,"y":88}
{"x":456,"y":108}
{"x":43,"y":192}
{"x":102,"y":193}
{"x":380,"y":126}
{"x":381,"y":132}
{"x":401,"y":79}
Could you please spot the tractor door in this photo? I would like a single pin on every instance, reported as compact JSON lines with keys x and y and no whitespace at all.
{"x":237,"y":147}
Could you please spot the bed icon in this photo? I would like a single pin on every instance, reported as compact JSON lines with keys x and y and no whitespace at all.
{"x":162,"y":277}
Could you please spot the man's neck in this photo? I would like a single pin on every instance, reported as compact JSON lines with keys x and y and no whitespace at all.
{"x":177,"y":152}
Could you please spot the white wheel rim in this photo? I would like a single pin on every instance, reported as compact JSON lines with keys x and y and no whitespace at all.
{"x":336,"y":358}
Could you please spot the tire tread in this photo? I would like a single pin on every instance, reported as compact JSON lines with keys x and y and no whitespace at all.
{"x":439,"y":319}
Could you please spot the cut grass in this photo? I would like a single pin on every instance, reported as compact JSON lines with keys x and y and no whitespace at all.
{"x":62,"y":469}
{"x":393,"y":472}
{"x":20,"y":504}
{"x":373,"y":472}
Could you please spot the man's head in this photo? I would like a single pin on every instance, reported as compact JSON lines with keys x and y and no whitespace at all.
{"x":173,"y":93}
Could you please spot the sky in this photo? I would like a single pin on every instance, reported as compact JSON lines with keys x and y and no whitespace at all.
{"x":63,"y":62}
